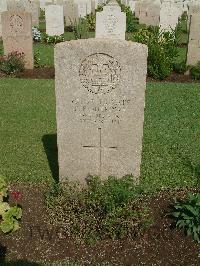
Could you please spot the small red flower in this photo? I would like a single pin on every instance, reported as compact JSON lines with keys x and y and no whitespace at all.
{"x":16,"y":195}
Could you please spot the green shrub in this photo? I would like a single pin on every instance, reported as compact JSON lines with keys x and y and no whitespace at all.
{"x":81,"y":28}
{"x":37,"y":59}
{"x":131,"y":21}
{"x":102,"y":210}
{"x":162,"y":50}
{"x":9,"y":216}
{"x":91,"y":21}
{"x":195,"y":71}
{"x":12,"y":63}
{"x":52,"y":39}
{"x":187,"y":215}
{"x":180,"y":67}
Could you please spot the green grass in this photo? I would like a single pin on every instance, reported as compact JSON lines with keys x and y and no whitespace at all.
{"x":171,"y":133}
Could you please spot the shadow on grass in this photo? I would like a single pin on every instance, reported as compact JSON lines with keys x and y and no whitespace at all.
{"x":50,"y":147}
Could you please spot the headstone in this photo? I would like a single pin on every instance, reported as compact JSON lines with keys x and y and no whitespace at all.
{"x":137,"y":9}
{"x":84,"y":7}
{"x":193,"y":8}
{"x":3,"y":7}
{"x":169,"y":15}
{"x":42,"y":4}
{"x":33,"y":8}
{"x":17,"y":35}
{"x":132,"y":5}
{"x":111,"y":23}
{"x":54,"y":20}
{"x":100,"y":97}
{"x":150,"y":13}
{"x":193,"y":53}
{"x":70,"y":12}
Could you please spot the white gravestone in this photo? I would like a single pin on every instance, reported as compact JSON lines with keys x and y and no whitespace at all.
{"x":169,"y":15}
{"x":17,"y":35}
{"x":100,"y":98}
{"x":3,"y":7}
{"x":193,"y":53}
{"x":54,"y":20}
{"x":111,"y":23}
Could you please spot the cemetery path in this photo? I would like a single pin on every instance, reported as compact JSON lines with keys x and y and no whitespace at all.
{"x":38,"y":241}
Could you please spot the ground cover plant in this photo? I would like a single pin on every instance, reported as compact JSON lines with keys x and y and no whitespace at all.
{"x":187,"y":215}
{"x":102,"y":210}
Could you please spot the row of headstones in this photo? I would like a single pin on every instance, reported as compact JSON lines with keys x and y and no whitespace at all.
{"x":54,"y":10}
{"x":110,"y":23}
{"x":164,"y":14}
{"x":100,"y":99}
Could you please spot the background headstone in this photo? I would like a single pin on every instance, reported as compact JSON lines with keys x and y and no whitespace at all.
{"x":193,"y":53}
{"x":3,"y":7}
{"x":17,"y":35}
{"x":100,"y":97}
{"x":169,"y":15}
{"x":70,"y":12}
{"x":54,"y":20}
{"x":111,"y":23}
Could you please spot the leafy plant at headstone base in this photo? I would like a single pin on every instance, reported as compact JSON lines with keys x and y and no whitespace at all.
{"x":37,"y":59}
{"x":52,"y":39}
{"x":9,"y":216}
{"x":12,"y":63}
{"x":91,"y":18}
{"x":91,"y":21}
{"x":162,"y":50}
{"x":131,"y":21}
{"x":187,"y":215}
{"x":195,"y":71}
{"x":36,"y":34}
{"x":180,"y":67}
{"x":103,"y":210}
{"x":81,"y":29}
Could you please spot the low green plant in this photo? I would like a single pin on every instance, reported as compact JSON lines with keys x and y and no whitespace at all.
{"x":12,"y":63}
{"x":91,"y":21}
{"x":37,"y":59}
{"x":81,"y":28}
{"x":180,"y":67}
{"x":195,"y":71}
{"x":187,"y":215}
{"x":9,"y":216}
{"x":102,"y":210}
{"x":52,"y":39}
{"x":162,"y":50}
{"x":131,"y":21}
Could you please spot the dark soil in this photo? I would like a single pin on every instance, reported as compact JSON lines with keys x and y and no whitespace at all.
{"x":37,"y":241}
{"x":49,"y":73}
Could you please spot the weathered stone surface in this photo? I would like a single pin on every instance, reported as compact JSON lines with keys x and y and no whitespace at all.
{"x":17,"y":34}
{"x":54,"y":20}
{"x":3,"y":7}
{"x":100,"y":97}
{"x":193,"y":53}
{"x":169,"y":15}
{"x":111,"y":22}
{"x":70,"y":12}
{"x":150,"y":12}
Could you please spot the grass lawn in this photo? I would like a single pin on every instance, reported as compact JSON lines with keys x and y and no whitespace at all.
{"x":171,"y":133}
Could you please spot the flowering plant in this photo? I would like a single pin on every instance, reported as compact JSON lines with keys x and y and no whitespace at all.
{"x":36,"y":34}
{"x":9,"y":215}
{"x":12,"y":63}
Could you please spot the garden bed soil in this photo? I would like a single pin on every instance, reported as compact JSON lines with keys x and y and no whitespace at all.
{"x":49,"y":73}
{"x":38,"y":241}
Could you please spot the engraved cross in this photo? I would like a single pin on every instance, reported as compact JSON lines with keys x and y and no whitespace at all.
{"x":100,"y":147}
